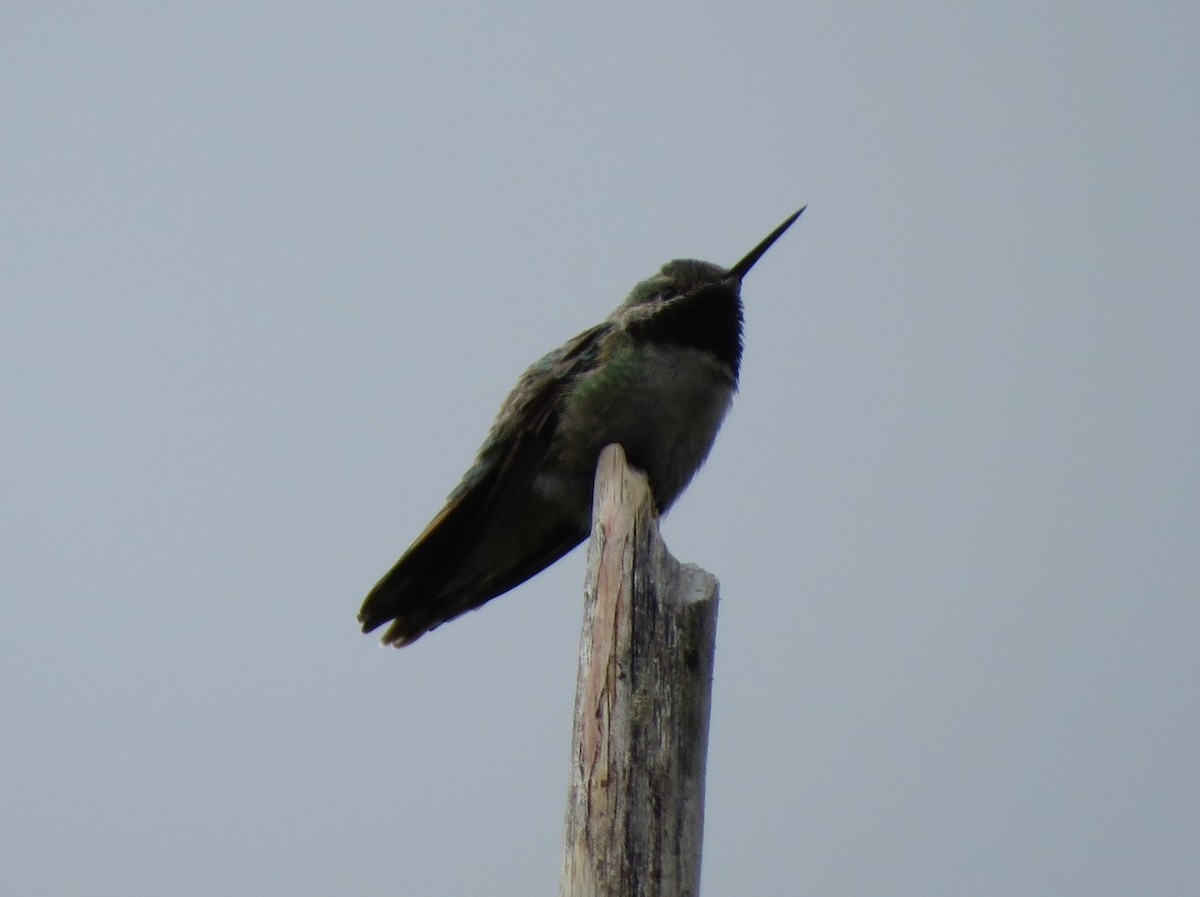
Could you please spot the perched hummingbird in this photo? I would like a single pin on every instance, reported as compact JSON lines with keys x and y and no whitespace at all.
{"x":656,"y":377}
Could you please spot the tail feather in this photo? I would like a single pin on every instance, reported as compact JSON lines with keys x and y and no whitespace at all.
{"x":418,"y":611}
{"x":461,"y":562}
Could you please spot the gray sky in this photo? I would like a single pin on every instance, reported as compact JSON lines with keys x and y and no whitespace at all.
{"x":267,"y":271}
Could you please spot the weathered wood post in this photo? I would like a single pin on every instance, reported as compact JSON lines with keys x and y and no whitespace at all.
{"x":635,"y":804}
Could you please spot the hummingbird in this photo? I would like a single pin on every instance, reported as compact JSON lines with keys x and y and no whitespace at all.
{"x":657,"y":376}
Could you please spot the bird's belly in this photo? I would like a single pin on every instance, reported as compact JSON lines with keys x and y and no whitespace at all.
{"x":663,"y":404}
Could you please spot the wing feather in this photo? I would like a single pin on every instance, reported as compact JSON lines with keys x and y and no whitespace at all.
{"x":473,"y":550}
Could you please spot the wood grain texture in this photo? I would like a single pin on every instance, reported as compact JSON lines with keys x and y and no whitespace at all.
{"x":635,"y":806}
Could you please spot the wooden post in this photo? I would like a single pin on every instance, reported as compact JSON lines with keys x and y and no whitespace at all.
{"x":635,"y":805}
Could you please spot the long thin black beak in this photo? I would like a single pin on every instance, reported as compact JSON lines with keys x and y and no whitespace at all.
{"x":739,"y":270}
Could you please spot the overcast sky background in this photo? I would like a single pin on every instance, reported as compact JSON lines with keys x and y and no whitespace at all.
{"x":268,"y":269}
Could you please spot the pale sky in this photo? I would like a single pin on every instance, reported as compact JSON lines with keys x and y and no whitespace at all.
{"x":267,"y":271}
